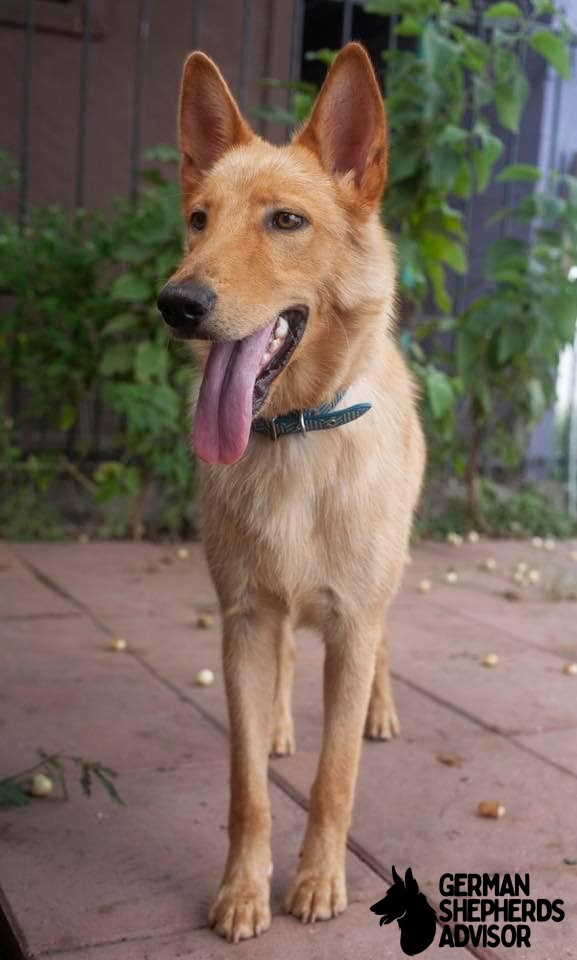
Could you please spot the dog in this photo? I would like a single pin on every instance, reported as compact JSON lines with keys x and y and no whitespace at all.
{"x":416,"y":918}
{"x":310,"y":447}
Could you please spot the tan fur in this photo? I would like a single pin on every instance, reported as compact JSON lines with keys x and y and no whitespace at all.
{"x":308,"y":530}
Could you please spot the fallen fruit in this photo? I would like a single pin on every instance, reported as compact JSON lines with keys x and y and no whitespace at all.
{"x":425,"y":586}
{"x":41,"y":786}
{"x":490,"y":660}
{"x":534,"y":576}
{"x":451,"y":576}
{"x":118,"y":644}
{"x":204,"y":678}
{"x":473,"y":536}
{"x":450,"y":759}
{"x":537,"y":542}
{"x":454,"y":538}
{"x":490,"y":808}
{"x":549,"y":543}
{"x":182,"y":553}
{"x":489,"y":564}
{"x":570,"y":669}
{"x":573,"y":554}
{"x":204,"y":621}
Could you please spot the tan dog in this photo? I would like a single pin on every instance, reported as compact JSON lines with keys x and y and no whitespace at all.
{"x":289,"y":278}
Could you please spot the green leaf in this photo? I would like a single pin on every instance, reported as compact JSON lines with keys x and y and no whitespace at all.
{"x":325,"y":56}
{"x":485,"y":156}
{"x":129,"y":287}
{"x":121,"y":323}
{"x":511,"y":89}
{"x":519,"y":171}
{"x":537,"y":399}
{"x":162,"y":153}
{"x":554,"y":50}
{"x":437,"y":277}
{"x":438,"y":246}
{"x":118,"y":358}
{"x":508,"y":10}
{"x":103,"y":776}
{"x":439,"y":393}
{"x":151,"y":362}
{"x":12,"y":794}
{"x":384,"y":8}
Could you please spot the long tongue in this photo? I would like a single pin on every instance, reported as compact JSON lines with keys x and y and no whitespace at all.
{"x":224,"y":410}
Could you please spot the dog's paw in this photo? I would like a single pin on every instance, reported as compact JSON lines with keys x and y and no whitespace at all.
{"x":382,"y":721}
{"x":282,"y":741}
{"x":241,"y":909}
{"x":317,"y":895}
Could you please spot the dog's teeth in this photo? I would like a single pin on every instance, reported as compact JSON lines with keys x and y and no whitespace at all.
{"x":266,"y":357}
{"x":281,"y":328}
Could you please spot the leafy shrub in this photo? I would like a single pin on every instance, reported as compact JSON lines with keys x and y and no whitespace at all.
{"x":81,"y":311}
{"x":456,"y":86}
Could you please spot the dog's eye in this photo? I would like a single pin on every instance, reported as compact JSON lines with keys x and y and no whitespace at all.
{"x":285,"y":220}
{"x":198,"y":219}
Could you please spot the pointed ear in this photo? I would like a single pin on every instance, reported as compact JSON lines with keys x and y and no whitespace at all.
{"x":347,"y":128}
{"x":411,"y":885}
{"x":210,"y":122}
{"x":396,"y":876}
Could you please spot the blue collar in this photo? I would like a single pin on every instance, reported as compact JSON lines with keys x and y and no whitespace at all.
{"x":303,"y":421}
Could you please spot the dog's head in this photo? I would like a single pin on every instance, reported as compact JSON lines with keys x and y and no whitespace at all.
{"x":284,"y":258}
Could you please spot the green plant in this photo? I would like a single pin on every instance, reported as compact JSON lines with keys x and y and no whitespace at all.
{"x":520,"y":512}
{"x":17,"y":789}
{"x":80,"y":312}
{"x":454,"y":88}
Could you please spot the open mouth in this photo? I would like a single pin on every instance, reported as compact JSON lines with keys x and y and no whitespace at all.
{"x":284,"y":338}
{"x":236,"y":381}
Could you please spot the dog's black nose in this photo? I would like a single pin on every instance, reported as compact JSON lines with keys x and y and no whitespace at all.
{"x":184,"y":305}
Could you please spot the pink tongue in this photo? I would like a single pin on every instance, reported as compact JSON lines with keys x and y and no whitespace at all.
{"x":224,"y":409}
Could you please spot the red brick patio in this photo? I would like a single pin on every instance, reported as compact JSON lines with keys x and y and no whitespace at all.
{"x":88,"y":879}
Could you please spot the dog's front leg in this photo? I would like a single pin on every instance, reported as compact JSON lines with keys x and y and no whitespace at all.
{"x":319,"y":889}
{"x":241,"y":907}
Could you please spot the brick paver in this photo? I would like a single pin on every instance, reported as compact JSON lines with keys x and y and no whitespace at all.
{"x":88,"y":880}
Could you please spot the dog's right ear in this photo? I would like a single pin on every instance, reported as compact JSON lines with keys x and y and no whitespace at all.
{"x":396,"y":876}
{"x":210,"y":122}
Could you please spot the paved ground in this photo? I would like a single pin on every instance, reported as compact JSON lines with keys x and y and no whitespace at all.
{"x":88,"y":880}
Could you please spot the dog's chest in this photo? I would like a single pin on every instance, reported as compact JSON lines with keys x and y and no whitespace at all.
{"x":300,"y":519}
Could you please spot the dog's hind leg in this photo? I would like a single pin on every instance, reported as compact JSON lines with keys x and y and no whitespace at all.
{"x":282,"y":737}
{"x":241,"y":907}
{"x":319,"y":889}
{"x":382,"y":721}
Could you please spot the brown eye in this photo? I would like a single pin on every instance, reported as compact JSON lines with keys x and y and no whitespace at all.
{"x":198,"y":220}
{"x":285,"y":220}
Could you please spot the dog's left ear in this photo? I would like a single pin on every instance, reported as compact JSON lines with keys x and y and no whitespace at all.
{"x":347,"y":128}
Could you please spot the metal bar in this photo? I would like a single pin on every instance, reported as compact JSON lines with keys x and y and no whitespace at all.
{"x":243,"y":83}
{"x":554,"y":141}
{"x":512,"y":155}
{"x":143,"y":29}
{"x":82,"y":112}
{"x":347,"y":30}
{"x":196,"y":15}
{"x":267,"y":60}
{"x":24,"y":158}
{"x":297,"y":40}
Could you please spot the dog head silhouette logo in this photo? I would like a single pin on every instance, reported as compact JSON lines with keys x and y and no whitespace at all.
{"x":416,"y":918}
